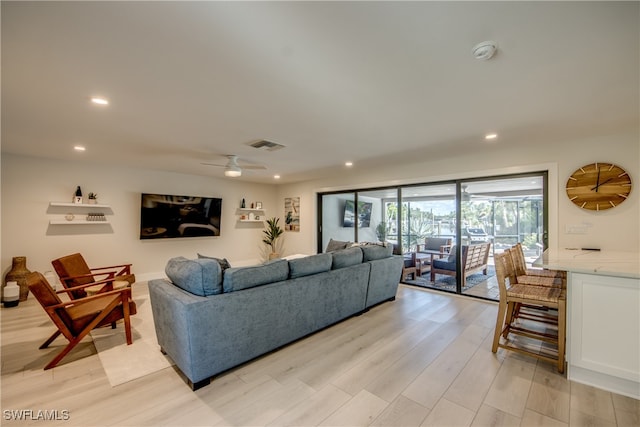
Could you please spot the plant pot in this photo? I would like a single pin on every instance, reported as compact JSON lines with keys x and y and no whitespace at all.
{"x":93,"y":201}
{"x":274,"y":255}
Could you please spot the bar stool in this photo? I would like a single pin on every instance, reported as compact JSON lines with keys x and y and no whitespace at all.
{"x":534,"y":276}
{"x":513,"y":294}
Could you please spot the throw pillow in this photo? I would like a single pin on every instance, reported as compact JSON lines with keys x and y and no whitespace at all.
{"x":224,"y":264}
{"x":335,"y":245}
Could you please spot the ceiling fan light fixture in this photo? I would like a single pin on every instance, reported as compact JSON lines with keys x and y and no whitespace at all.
{"x":232,"y":172}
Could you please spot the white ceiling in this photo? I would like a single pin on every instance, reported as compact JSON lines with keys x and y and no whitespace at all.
{"x":332,"y":81}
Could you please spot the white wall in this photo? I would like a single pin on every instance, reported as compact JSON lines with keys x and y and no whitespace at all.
{"x":29,"y":184}
{"x":614,"y":229}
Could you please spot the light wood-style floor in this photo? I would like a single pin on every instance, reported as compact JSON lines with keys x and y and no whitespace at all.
{"x":423,"y":360}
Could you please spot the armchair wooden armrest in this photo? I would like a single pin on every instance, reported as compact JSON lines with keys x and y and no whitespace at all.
{"x":122,"y":293}
{"x":106,"y":282}
{"x":124,"y":269}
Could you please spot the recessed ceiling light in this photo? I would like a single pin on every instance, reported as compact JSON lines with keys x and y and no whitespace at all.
{"x":491,"y":136}
{"x":79,"y":148}
{"x":276,"y":176}
{"x":348,"y":164}
{"x":99,"y":100}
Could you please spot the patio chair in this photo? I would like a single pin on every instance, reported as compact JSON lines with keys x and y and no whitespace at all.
{"x":73,"y":272}
{"x":409,"y":268}
{"x":77,"y":317}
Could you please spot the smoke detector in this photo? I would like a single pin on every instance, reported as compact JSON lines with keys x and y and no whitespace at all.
{"x":484,"y":50}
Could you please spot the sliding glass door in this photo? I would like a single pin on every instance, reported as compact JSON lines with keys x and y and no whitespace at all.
{"x":496,"y":214}
{"x":453,"y":228}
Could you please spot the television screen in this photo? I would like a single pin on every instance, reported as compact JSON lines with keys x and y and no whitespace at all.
{"x":165,"y":216}
{"x":364,"y":214}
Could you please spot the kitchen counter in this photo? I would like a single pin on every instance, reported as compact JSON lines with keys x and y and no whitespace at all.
{"x":603,"y":317}
{"x":605,"y":263}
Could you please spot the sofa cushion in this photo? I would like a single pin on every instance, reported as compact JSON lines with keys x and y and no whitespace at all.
{"x":306,"y":266}
{"x":444,"y":265}
{"x":201,"y":277}
{"x":336,"y":245}
{"x":373,"y":252}
{"x":224,"y":264}
{"x":236,"y":279}
{"x":346,"y":258}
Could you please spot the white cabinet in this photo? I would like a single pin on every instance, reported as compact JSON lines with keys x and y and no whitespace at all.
{"x":78,"y":213}
{"x":604,"y":332}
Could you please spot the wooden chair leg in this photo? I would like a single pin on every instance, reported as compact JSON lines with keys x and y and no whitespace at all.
{"x":50,"y":340}
{"x":127,"y":321}
{"x":63,"y":353}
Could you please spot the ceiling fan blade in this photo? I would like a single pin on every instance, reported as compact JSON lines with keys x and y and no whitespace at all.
{"x":212,"y":164}
{"x":254,"y":167}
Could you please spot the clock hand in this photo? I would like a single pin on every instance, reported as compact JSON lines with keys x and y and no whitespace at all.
{"x":597,"y":181}
{"x":601,"y":184}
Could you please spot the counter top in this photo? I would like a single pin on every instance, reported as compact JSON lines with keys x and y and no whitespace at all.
{"x":605,"y":263}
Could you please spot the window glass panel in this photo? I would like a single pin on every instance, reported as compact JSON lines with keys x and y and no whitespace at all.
{"x":337,"y":218}
{"x":501,"y":212}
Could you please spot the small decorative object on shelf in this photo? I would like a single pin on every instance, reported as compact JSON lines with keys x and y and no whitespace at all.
{"x":11,"y":294}
{"x":18,"y":273}
{"x":242,"y":204}
{"x":96,"y":216}
{"x":258,"y":205}
{"x":93,"y":198}
{"x":78,"y":196}
{"x":69,"y":217}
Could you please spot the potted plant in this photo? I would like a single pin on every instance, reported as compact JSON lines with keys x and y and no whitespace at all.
{"x":93,"y":198}
{"x":381,"y":231}
{"x":272,"y":233}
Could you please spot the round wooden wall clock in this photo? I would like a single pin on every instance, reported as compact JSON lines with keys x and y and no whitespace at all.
{"x":599,"y":186}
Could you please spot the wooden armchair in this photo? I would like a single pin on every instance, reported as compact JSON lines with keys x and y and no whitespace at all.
{"x":74,"y":272}
{"x":76,"y":318}
{"x":474,"y":258}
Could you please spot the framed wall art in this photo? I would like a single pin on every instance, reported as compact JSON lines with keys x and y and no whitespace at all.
{"x":292,"y":214}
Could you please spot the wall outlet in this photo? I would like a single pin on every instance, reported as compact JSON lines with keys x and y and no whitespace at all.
{"x":576,"y":228}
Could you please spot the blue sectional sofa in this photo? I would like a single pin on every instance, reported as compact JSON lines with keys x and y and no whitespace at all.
{"x":209,"y":321}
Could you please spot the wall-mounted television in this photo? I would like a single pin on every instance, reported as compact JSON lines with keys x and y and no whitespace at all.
{"x":364,"y":214}
{"x":165,"y":216}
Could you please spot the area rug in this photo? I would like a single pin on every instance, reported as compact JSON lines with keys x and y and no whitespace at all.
{"x":448,"y":283}
{"x":121,"y":362}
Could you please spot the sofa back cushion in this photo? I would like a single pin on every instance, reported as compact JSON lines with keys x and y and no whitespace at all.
{"x":201,"y":277}
{"x":236,"y":279}
{"x":309,"y":265}
{"x":436,"y":243}
{"x":346,"y":258}
{"x":374,"y":252}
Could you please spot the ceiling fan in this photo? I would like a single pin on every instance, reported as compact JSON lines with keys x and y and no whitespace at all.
{"x":232,"y":168}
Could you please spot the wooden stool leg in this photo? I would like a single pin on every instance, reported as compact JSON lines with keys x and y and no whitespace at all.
{"x":502,"y":308}
{"x":562,"y":313}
